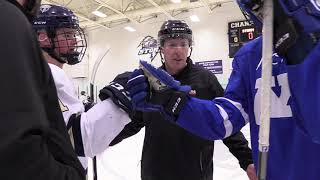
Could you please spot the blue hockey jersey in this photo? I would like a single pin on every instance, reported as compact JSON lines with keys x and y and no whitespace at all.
{"x":292,"y":155}
{"x":304,"y":80}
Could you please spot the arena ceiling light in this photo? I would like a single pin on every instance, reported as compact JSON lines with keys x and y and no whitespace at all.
{"x":99,"y":14}
{"x":194,"y":18}
{"x":176,"y":1}
{"x":130,"y":29}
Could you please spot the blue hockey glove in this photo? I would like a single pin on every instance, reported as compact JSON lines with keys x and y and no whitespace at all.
{"x":139,"y":92}
{"x":164,"y":94}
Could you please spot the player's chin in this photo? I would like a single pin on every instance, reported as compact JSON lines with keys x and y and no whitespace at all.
{"x":71,"y":51}
{"x":178,"y":61}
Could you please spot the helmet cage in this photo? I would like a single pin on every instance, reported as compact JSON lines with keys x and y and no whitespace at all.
{"x":60,"y":22}
{"x":71,"y":47}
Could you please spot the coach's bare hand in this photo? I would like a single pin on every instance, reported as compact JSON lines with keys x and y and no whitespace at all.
{"x":251,"y":172}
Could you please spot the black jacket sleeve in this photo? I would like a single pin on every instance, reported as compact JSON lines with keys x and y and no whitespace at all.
{"x":34,"y":141}
{"x":237,"y":143}
{"x":130,"y":129}
{"x":238,"y":146}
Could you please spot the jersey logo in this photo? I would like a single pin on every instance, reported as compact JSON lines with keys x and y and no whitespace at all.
{"x":280,"y":96}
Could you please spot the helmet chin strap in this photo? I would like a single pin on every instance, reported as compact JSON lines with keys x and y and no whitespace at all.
{"x":190,"y":52}
{"x":50,"y":50}
{"x":160,"y":52}
{"x":70,"y":58}
{"x":53,"y":54}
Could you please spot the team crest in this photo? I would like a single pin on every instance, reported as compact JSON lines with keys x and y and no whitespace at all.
{"x":148,"y":49}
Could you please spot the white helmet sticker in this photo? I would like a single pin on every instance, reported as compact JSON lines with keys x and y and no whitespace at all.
{"x":45,"y":8}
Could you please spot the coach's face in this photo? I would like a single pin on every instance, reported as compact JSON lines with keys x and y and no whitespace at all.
{"x":175,"y":53}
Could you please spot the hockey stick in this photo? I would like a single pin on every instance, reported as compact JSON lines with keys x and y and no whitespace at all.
{"x":93,"y":77}
{"x":94,"y":73}
{"x":267,"y":51}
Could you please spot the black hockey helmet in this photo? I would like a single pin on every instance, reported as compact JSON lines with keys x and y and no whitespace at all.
{"x":172,"y":29}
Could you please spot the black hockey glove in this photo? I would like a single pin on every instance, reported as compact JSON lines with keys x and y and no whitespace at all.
{"x":116,"y":90}
{"x":171,"y":100}
{"x":88,"y":105}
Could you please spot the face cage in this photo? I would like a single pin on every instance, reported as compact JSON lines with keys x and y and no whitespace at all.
{"x":72,"y":47}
